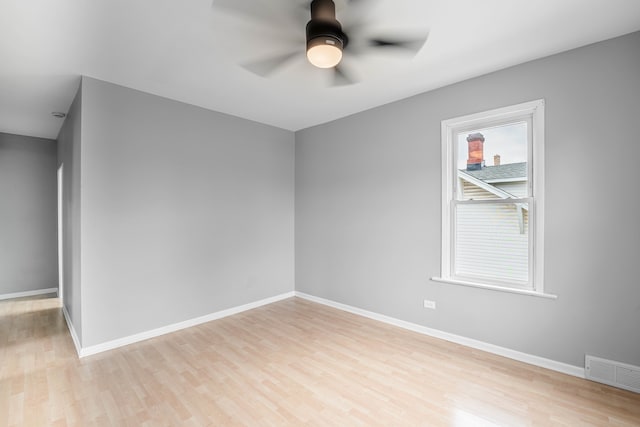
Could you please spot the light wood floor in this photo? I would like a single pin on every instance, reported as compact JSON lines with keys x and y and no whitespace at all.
{"x":290,"y":363}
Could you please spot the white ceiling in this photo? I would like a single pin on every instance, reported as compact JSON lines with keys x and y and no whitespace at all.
{"x":189,"y":50}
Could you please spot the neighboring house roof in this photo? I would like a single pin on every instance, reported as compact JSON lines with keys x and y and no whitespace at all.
{"x":485,"y":186}
{"x":501,"y":173}
{"x":489,"y":175}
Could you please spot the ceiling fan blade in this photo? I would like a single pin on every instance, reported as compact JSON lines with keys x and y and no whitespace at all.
{"x":341,"y":77}
{"x":267,"y":66}
{"x":413,"y":44}
{"x":356,"y":13}
{"x":359,"y":2}
{"x":266,"y":12}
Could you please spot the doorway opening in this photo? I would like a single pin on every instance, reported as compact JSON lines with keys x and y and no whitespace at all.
{"x":60,"y":234}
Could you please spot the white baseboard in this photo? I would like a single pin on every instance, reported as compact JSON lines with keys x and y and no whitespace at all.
{"x":29,"y":293}
{"x":564,"y":368}
{"x":120,"y":342}
{"x":72,"y":330}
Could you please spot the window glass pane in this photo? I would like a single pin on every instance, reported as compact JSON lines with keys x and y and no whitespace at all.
{"x":492,"y":241}
{"x":492,"y":162}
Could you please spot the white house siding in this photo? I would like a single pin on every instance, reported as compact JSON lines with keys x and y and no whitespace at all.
{"x":472,"y":191}
{"x":518,"y":188}
{"x":489,"y":243}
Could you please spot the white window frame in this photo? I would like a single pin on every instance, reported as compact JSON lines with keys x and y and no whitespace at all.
{"x":533,"y":113}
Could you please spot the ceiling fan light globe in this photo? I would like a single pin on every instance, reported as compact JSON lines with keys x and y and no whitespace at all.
{"x":324,"y":53}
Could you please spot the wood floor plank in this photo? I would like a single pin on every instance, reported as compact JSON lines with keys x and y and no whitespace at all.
{"x":290,"y":363}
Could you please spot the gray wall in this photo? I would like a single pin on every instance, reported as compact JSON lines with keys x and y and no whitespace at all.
{"x":368,"y":208}
{"x":28,"y":206}
{"x":69,"y":152}
{"x":185,"y":211}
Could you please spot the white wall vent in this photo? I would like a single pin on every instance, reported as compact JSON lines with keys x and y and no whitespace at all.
{"x":612,"y":373}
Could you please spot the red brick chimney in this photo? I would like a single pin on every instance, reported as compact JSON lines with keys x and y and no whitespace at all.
{"x":476,"y":152}
{"x":496,"y":160}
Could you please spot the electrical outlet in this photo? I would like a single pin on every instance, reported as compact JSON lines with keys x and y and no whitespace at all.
{"x":429,"y":304}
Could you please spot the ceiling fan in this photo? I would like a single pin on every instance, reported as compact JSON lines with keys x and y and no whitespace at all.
{"x":330,"y":45}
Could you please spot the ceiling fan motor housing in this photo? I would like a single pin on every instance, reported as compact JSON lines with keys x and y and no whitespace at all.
{"x":319,"y":33}
{"x":323,"y":28}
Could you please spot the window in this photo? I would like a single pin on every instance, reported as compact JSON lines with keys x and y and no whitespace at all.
{"x":492,"y":199}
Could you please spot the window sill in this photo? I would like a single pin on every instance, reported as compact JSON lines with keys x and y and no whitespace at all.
{"x":494,"y":288}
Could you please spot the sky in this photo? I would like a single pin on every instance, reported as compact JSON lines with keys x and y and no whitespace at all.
{"x":509,"y":141}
